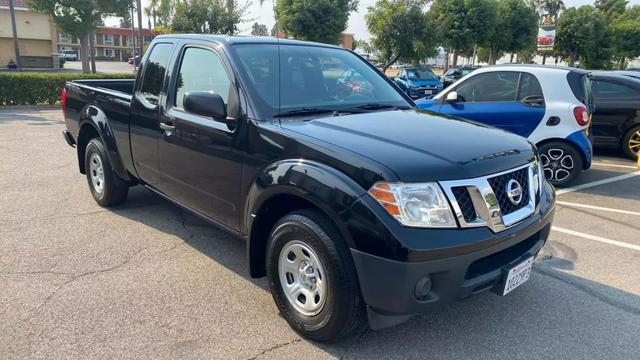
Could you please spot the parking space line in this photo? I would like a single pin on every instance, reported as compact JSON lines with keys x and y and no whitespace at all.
{"x":596,"y":183}
{"x":570,"y":204}
{"x":596,"y":238}
{"x":613,"y":165}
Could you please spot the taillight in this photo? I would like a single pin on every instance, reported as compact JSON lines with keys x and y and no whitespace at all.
{"x":582,"y":115}
{"x":63,"y":99}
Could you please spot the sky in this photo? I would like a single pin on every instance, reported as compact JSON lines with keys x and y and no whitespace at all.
{"x":264,"y":15}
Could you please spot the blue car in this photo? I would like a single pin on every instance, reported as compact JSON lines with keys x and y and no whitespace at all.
{"x":551,"y":106}
{"x":418,"y":82}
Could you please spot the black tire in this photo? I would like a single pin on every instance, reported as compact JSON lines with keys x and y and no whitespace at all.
{"x":111,"y":189}
{"x":343,"y":312}
{"x":561,"y":162}
{"x":630,"y":144}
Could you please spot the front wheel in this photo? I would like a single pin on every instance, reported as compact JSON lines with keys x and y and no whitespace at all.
{"x":631,"y":143}
{"x":312,"y":277}
{"x":561,"y":162}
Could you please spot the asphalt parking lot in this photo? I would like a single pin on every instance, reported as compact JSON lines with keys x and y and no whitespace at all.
{"x":147,"y":280}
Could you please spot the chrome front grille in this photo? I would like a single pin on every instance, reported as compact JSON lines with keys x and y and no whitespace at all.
{"x":485,"y":201}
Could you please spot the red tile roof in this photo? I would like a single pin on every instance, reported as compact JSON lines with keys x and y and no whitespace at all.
{"x":122,"y":31}
{"x":16,"y":3}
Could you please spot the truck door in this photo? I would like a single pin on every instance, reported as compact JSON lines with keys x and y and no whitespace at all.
{"x":200,"y":164}
{"x":145,"y":124}
{"x":509,"y":100}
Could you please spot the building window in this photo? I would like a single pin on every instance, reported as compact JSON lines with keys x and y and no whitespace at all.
{"x":64,"y":38}
{"x":108,"y":53}
{"x":108,"y":39}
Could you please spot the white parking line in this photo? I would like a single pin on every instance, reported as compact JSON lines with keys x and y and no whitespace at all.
{"x":596,"y":183}
{"x":614,"y":165}
{"x":596,"y":238}
{"x":570,"y":204}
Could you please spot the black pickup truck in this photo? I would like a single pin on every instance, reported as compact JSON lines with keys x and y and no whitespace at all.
{"x":355,"y":205}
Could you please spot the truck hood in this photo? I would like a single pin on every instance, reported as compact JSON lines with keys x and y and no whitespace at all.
{"x":419,"y":145}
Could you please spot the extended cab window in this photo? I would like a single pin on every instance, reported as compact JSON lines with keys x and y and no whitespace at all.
{"x":154,"y":72}
{"x":201,"y":70}
{"x":494,"y":86}
{"x":288,"y":77}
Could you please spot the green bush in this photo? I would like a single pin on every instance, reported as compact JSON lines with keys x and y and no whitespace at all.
{"x":40,"y":88}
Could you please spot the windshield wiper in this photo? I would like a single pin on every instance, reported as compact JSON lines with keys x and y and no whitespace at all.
{"x":374,"y":106}
{"x":304,"y":111}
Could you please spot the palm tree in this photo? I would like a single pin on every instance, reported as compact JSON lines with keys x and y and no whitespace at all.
{"x":152,"y":10}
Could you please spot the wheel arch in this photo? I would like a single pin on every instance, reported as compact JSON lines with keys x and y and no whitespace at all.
{"x":94,"y":123}
{"x":299,"y":185}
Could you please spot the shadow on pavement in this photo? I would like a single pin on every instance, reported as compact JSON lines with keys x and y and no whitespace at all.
{"x":555,"y":315}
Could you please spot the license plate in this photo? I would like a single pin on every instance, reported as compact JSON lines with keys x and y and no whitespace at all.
{"x":428,"y":92}
{"x":517,"y":275}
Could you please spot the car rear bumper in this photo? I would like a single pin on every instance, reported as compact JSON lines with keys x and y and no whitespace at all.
{"x":395,"y":290}
{"x":584,"y":144}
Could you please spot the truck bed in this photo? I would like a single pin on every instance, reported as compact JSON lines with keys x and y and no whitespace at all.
{"x":121,"y":87}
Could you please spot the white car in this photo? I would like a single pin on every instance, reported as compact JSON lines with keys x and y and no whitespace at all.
{"x":549,"y":105}
{"x":68,"y":55}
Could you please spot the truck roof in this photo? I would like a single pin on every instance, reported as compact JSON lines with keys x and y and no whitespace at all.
{"x":239,"y":39}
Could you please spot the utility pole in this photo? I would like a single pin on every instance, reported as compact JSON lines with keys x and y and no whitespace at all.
{"x":133,"y":40}
{"x":140,"y":36}
{"x":16,"y":47}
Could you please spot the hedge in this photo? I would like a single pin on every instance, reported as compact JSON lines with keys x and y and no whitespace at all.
{"x":40,"y":88}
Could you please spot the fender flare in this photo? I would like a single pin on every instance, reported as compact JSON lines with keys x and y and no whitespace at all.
{"x":91,"y":115}
{"x":326,"y":188}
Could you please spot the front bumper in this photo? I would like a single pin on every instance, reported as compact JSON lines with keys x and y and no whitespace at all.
{"x":422,"y":92}
{"x":395,"y":290}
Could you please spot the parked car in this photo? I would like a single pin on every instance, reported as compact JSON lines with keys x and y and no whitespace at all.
{"x":418,"y":82}
{"x":68,"y":55}
{"x":357,"y":208}
{"x":616,"y":121}
{"x":134,"y":60}
{"x":453,"y":75}
{"x":551,"y":106}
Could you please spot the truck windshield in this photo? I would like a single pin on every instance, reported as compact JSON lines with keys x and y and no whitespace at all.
{"x":297,"y":77}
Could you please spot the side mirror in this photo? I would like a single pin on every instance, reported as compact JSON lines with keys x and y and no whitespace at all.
{"x":452,"y":97}
{"x":206,"y":103}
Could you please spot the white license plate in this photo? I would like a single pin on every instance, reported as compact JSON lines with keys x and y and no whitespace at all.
{"x":428,"y":92}
{"x":517,"y":275}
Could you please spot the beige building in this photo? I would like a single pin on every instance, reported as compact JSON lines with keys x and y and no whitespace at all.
{"x":111,"y":43}
{"x":36,"y":36}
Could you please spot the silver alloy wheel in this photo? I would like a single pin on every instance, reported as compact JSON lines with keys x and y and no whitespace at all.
{"x":96,"y":171}
{"x":302,"y":278}
{"x":556,"y":165}
{"x":634,"y":143}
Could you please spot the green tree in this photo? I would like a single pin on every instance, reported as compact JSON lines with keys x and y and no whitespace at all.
{"x":516,"y":28}
{"x":625,"y":33}
{"x":611,"y":8}
{"x":582,"y":35}
{"x":80,"y":17}
{"x":400,"y":31}
{"x":449,"y":16}
{"x":318,"y":20}
{"x":152,"y":11}
{"x":208,"y":16}
{"x":364,"y":46}
{"x":258,"y":29}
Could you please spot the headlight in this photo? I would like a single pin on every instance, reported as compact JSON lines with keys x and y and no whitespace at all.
{"x":538,"y":175}
{"x":416,"y":205}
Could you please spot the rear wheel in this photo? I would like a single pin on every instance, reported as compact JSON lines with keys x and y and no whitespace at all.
{"x":312,"y":277}
{"x":106,"y":187}
{"x":561,"y":162}
{"x":631,"y":143}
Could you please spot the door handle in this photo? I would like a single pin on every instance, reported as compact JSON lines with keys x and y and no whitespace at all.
{"x":168,"y":129}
